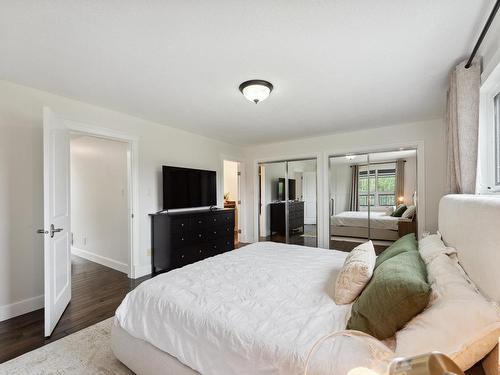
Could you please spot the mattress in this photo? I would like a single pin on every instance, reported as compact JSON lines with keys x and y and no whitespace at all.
{"x":258,"y":309}
{"x":378,"y":220}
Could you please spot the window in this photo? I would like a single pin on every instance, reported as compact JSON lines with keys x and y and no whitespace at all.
{"x":381,"y":184}
{"x":497,"y":140}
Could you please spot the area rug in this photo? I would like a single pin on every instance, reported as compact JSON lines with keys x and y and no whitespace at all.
{"x":85,"y":352}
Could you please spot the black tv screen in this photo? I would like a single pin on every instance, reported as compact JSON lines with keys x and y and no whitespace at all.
{"x":281,"y":189}
{"x":187,"y":188}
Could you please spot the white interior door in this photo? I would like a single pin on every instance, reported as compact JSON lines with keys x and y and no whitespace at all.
{"x":309,"y":194}
{"x":56,"y":194}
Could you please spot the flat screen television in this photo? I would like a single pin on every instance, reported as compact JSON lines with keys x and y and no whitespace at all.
{"x":281,"y":189}
{"x":188,"y":188}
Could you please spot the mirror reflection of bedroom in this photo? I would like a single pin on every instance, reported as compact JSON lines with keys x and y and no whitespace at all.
{"x":372,"y":196}
{"x":288,"y":211}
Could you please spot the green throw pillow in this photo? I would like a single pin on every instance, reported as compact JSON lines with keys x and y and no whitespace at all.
{"x":405,"y":243}
{"x":397,"y":292}
{"x":399,"y":211}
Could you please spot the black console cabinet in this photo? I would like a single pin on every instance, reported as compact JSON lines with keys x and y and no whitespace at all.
{"x":295,"y":217}
{"x":181,"y":238}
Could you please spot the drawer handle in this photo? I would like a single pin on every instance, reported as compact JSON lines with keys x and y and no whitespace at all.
{"x":182,"y":239}
{"x":199,"y":221}
{"x":182,"y":224}
{"x":199,"y":235}
{"x":227,"y":243}
{"x":215,"y":219}
{"x":182,"y":256}
{"x":215,"y":246}
{"x":215,"y":232}
{"x":200,"y":251}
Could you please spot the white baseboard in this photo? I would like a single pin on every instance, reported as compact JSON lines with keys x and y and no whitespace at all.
{"x":105,"y":261}
{"x":139,"y":271}
{"x":21,"y":307}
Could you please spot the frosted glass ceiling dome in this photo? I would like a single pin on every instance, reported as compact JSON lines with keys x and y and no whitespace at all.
{"x":256,"y":90}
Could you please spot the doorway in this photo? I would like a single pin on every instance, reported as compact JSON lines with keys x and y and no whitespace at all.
{"x":99,"y":201}
{"x":232,"y":195}
{"x":57,"y":229}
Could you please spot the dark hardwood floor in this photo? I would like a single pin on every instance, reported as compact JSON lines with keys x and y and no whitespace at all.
{"x":96,"y":293}
{"x":306,"y":238}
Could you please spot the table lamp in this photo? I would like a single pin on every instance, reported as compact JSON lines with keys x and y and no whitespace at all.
{"x":366,"y":355}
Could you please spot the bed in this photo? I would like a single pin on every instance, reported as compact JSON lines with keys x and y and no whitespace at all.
{"x":355,"y":224}
{"x":259,"y":309}
{"x":264,"y":304}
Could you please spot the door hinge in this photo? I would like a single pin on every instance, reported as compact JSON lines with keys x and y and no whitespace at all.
{"x":239,"y":173}
{"x":132,"y":215}
{"x":239,"y":202}
{"x":239,"y":231}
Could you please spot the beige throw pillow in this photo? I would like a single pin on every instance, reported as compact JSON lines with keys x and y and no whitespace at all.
{"x":355,"y":273}
{"x":410,"y":212}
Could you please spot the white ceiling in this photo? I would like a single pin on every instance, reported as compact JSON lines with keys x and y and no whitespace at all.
{"x":335,"y":65}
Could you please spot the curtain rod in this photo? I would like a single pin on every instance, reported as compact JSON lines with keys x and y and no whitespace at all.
{"x":483,"y":33}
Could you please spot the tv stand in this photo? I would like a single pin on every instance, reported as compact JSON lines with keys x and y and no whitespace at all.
{"x":183,"y":237}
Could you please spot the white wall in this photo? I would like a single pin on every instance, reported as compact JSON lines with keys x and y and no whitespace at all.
{"x":428,"y":136}
{"x":21,"y":174}
{"x":340,"y":186}
{"x":410,"y":178}
{"x":231,"y":179}
{"x":99,"y":201}
{"x":490,"y":48}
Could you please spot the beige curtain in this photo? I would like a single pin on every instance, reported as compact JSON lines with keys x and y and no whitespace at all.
{"x":354,"y":202}
{"x":462,"y":124}
{"x":400,"y":179}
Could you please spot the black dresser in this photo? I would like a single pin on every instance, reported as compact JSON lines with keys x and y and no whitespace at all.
{"x":181,"y":238}
{"x":295,"y":217}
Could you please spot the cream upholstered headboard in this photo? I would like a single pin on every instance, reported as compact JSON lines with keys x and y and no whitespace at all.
{"x":471,"y":224}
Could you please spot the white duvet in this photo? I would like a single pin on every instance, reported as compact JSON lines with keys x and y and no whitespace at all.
{"x":258,"y":309}
{"x":378,"y":220}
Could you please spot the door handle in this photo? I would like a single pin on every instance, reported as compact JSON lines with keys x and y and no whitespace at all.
{"x":42,"y":231}
{"x":54,"y":230}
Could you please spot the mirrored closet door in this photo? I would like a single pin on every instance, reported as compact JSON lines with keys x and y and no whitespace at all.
{"x":372,"y":196}
{"x":349,"y":187}
{"x":288,"y":202}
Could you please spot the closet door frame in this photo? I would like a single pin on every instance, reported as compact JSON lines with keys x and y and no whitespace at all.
{"x":421,"y":196}
{"x":286,"y":160}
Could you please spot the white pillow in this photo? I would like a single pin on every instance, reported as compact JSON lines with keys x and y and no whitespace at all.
{"x":432,"y":246}
{"x":459,"y":321}
{"x":355,"y":273}
{"x":410,"y":212}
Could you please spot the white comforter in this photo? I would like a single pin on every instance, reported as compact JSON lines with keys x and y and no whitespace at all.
{"x":378,"y":220}
{"x":258,"y":309}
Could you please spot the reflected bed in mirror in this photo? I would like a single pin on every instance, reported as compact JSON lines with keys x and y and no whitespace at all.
{"x":366,"y":190}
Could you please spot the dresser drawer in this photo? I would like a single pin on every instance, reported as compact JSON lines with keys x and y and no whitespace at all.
{"x":199,"y":222}
{"x":222,"y":245}
{"x":199,"y":235}
{"x":181,"y":239}
{"x":180,"y":225}
{"x":182,"y":257}
{"x":217,"y":232}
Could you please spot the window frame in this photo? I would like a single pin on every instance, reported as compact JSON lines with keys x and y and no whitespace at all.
{"x":374,"y":192}
{"x":488,"y":180}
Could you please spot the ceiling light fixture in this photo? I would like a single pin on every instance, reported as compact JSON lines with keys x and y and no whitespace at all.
{"x":256,"y":90}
